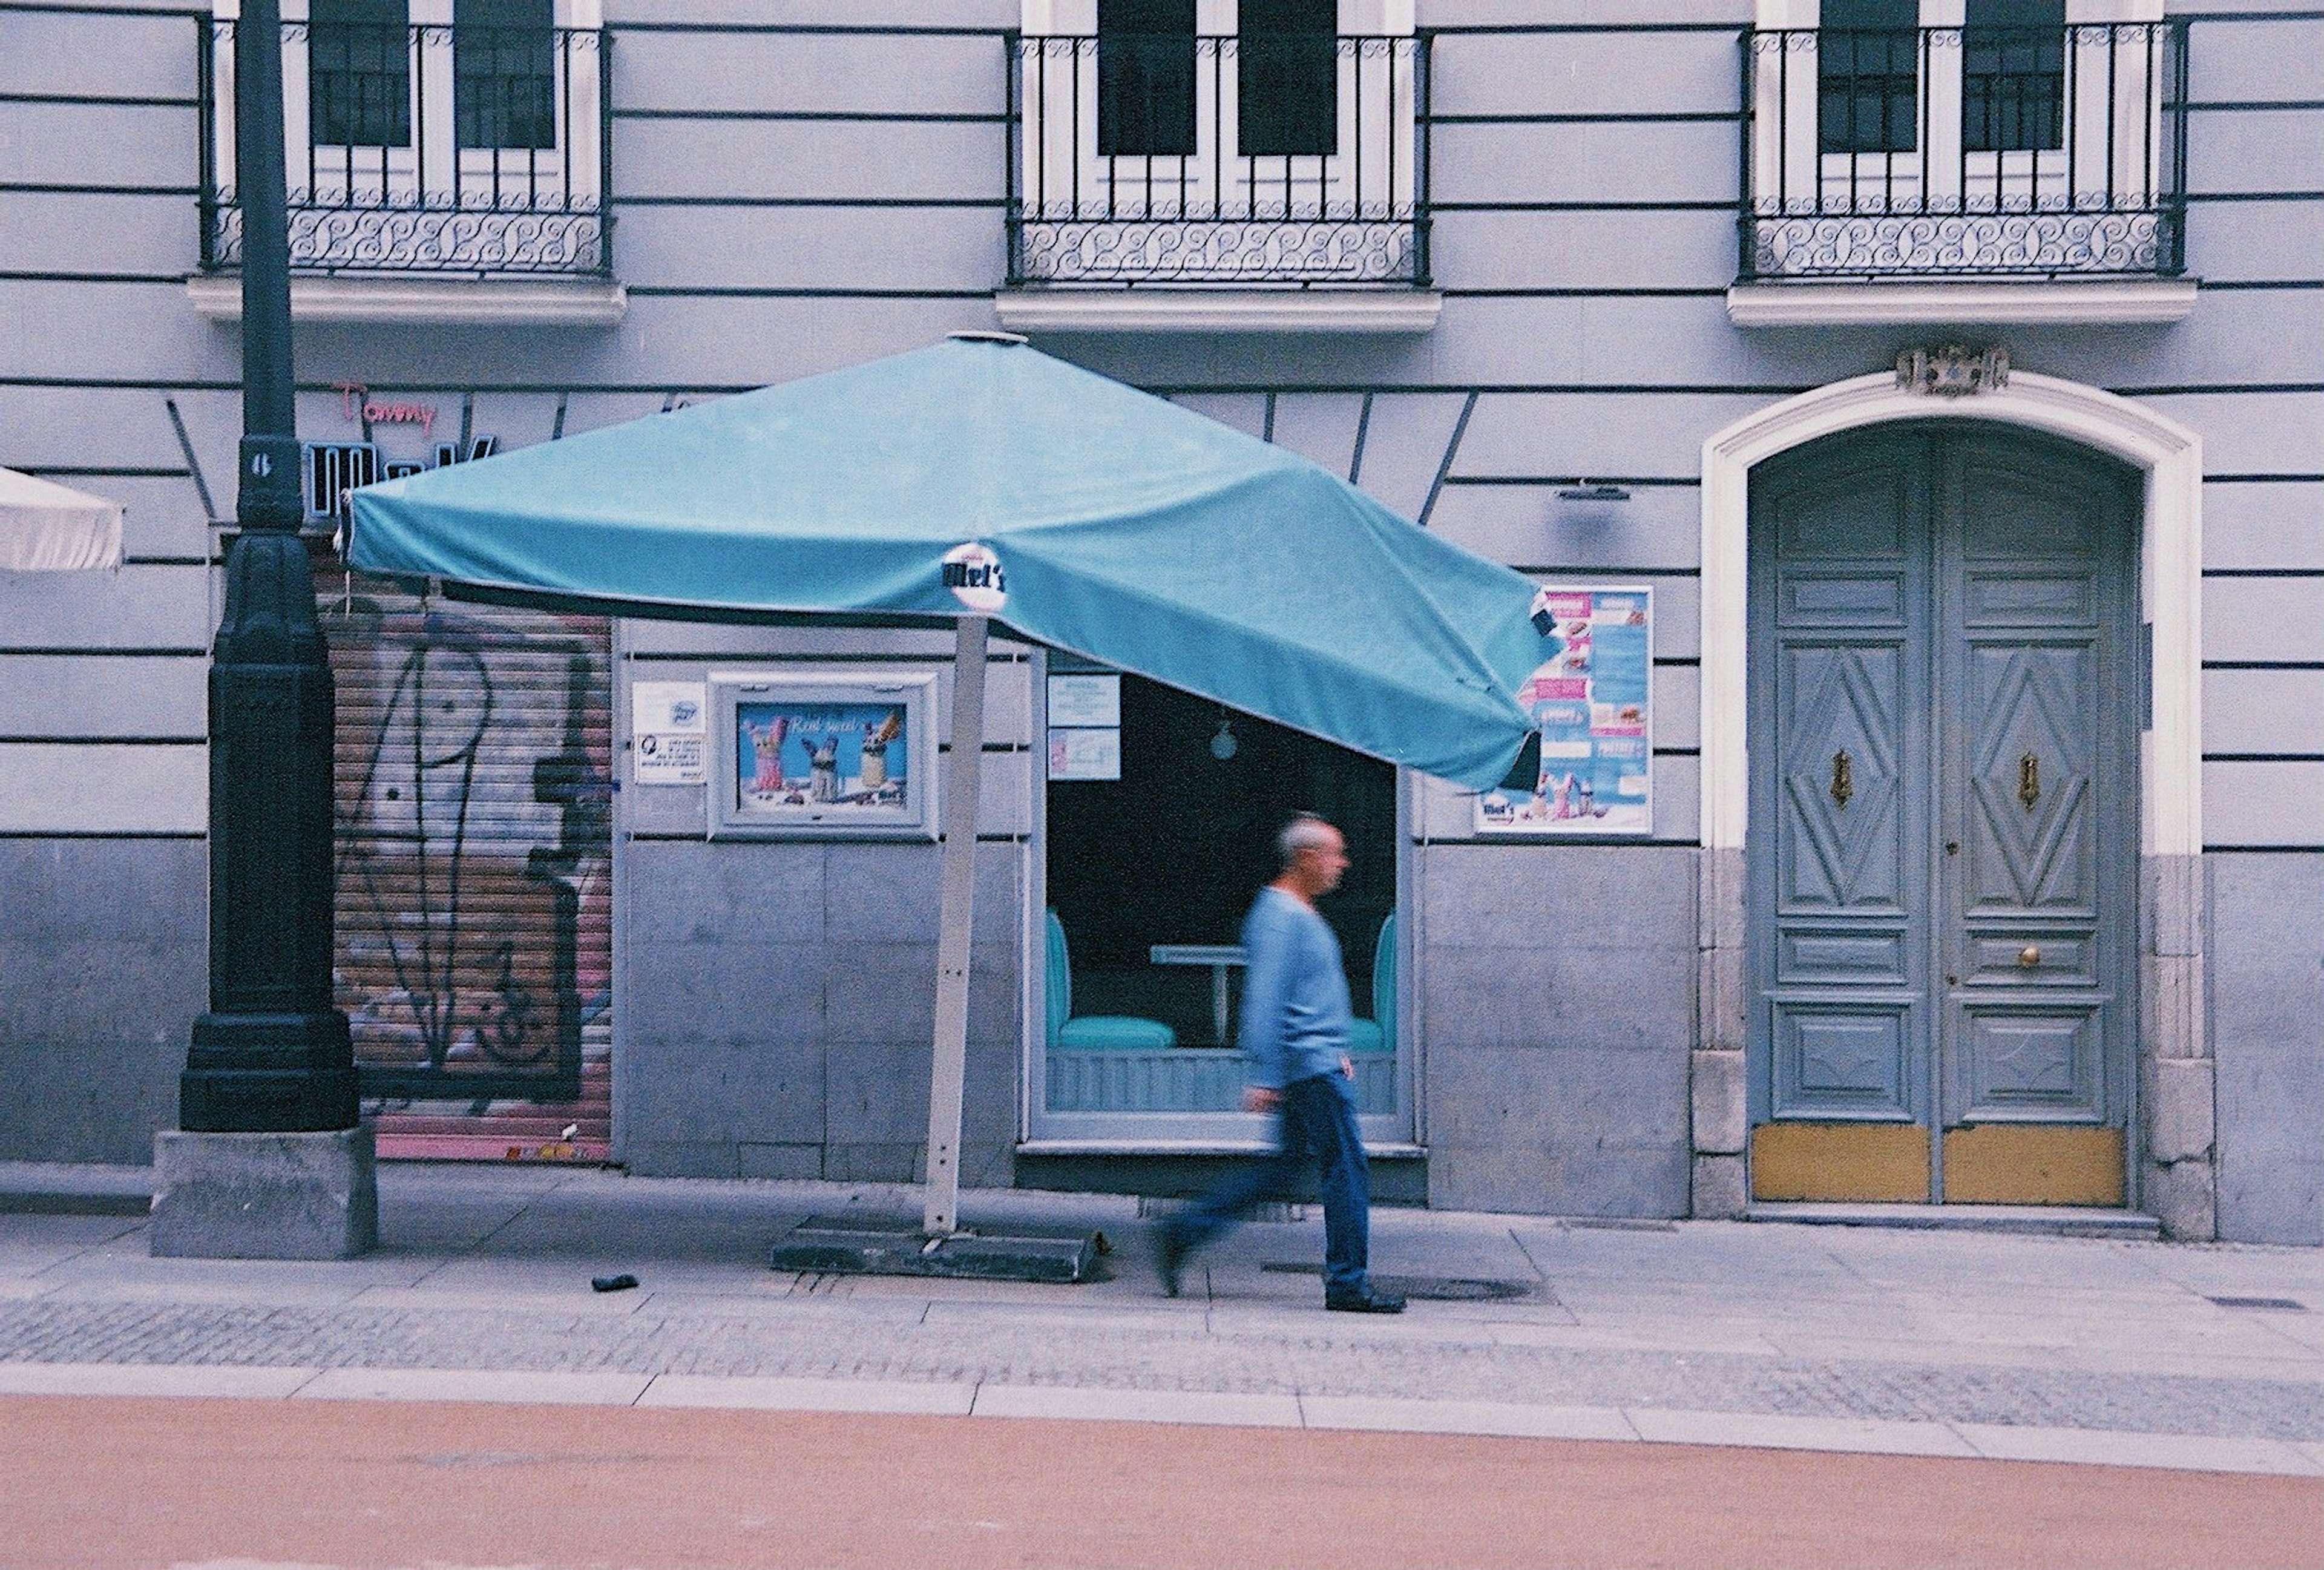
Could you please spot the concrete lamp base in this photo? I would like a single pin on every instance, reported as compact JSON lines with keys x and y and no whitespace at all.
{"x":265,"y":1196}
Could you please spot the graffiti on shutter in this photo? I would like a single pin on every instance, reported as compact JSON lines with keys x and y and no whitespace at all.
{"x":475,"y":922}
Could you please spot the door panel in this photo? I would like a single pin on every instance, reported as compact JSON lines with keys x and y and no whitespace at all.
{"x":2032,"y":1164}
{"x":2040,"y":562}
{"x":1942,"y":845}
{"x":1847,"y":937}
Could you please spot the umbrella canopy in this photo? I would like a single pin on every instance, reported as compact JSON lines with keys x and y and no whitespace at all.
{"x":46,"y":527}
{"x":1122,"y":528}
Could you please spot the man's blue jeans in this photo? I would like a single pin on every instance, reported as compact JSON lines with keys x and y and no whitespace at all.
{"x":1317,"y":1117}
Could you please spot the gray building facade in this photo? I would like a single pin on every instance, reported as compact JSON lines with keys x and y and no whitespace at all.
{"x":1952,"y":375}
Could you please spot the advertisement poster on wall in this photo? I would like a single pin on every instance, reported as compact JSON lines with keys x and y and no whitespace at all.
{"x":802,"y":755}
{"x":1589,"y":767}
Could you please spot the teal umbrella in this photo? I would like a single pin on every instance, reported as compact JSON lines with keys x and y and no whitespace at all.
{"x":978,"y":479}
{"x":1123,"y":527}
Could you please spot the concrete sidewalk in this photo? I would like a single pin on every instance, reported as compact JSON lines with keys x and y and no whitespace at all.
{"x":1818,"y":1337}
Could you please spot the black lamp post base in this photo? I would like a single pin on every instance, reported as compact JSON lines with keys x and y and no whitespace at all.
{"x":269,"y":1074}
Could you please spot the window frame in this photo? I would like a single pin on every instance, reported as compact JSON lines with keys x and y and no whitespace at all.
{"x":1212,"y":183}
{"x":1940,"y":174}
{"x":430,"y":165}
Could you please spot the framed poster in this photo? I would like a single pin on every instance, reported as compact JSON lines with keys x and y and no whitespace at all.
{"x":1589,"y":768}
{"x":796,"y":756}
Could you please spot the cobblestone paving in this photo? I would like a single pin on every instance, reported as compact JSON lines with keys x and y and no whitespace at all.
{"x":833,"y":1343}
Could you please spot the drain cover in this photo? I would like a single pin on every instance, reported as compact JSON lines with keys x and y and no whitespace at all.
{"x":1430,"y":1288}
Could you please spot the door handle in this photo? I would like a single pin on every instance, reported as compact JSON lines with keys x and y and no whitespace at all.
{"x":1843,"y":778}
{"x":2029,"y":780}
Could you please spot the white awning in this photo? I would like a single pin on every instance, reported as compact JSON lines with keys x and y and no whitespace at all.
{"x":49,"y":528}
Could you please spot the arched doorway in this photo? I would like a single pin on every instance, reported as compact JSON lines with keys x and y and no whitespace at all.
{"x":2172,"y":1120}
{"x":1945,"y":697}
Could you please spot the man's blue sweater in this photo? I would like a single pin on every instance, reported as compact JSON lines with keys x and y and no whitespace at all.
{"x":1295,"y":1010}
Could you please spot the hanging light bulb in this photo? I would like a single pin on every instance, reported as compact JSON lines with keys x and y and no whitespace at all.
{"x":1223,"y":744}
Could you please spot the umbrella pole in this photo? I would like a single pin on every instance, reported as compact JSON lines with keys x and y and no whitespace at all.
{"x":957,"y":912}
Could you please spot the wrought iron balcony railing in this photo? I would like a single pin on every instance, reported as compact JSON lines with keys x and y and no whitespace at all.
{"x":1194,"y":159}
{"x":1965,"y":150}
{"x":425,"y":149}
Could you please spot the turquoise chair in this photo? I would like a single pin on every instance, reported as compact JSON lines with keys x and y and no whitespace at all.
{"x":1378,"y":1034}
{"x":1094,"y":1032}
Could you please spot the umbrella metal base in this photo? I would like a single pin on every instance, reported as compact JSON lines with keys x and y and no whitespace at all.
{"x":864,"y":1246}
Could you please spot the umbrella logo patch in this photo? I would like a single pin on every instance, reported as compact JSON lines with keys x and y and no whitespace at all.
{"x":972,"y":573}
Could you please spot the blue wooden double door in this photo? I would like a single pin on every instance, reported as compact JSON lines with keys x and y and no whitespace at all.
{"x":1947,"y":686}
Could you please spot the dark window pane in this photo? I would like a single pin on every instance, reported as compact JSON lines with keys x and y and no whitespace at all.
{"x":1145,"y":79}
{"x":1867,"y":76}
{"x":2014,"y":75}
{"x":1288,"y":77}
{"x":504,"y":73}
{"x":359,"y":73}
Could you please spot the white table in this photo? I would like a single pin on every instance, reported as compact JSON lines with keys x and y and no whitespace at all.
{"x":1221,"y":957}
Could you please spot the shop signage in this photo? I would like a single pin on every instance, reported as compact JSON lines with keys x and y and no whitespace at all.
{"x":1589,"y":767}
{"x":669,"y":730}
{"x":355,"y":403}
{"x":1085,"y":726}
{"x":973,"y":572}
{"x":331,"y":469}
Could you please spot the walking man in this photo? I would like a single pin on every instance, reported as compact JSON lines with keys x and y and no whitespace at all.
{"x":1296,"y":1015}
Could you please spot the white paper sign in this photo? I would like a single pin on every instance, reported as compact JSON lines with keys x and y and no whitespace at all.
{"x":1084,"y":754}
{"x":670,"y":726}
{"x":1079,"y":701}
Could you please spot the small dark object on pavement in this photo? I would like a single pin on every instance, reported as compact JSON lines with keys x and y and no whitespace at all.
{"x":621,"y":1283}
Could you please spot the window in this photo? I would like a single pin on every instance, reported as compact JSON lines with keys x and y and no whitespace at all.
{"x":1867,"y":76}
{"x":504,"y":73}
{"x":1965,"y":137}
{"x":2014,"y":76}
{"x":1287,"y":78}
{"x":1145,"y":79}
{"x":426,"y":135}
{"x":1217,"y":141}
{"x":359,"y":73}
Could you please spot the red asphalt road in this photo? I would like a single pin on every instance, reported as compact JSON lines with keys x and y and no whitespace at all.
{"x":119,"y":1483}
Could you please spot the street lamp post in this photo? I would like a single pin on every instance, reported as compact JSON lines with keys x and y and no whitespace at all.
{"x":272,"y":1161}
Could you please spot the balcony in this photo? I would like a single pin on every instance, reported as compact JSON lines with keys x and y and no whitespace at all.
{"x":1167,"y":164}
{"x":422,"y":153}
{"x":1945,"y":154}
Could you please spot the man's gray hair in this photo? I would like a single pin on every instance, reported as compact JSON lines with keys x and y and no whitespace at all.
{"x":1305,"y":832}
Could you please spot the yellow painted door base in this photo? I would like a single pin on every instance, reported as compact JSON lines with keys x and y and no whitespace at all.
{"x":1985,"y":1164}
{"x":1853,"y":1162}
{"x":2034,"y":1164}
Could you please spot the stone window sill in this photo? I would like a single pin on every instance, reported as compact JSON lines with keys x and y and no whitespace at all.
{"x":1151,"y":309}
{"x":427,"y":301}
{"x":1966,"y":302}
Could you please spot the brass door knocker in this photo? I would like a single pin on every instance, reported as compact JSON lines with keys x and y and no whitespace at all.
{"x":1843,"y":778}
{"x":2029,"y":780}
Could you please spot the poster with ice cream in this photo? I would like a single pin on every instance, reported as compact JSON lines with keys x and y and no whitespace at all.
{"x":1589,"y":767}
{"x":825,"y":757}
{"x":821,"y":754}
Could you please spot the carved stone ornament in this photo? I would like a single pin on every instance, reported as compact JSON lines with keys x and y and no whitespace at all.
{"x":1954,"y":371}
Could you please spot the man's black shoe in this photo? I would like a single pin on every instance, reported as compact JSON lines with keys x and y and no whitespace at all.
{"x":1368,"y":1301}
{"x":1169,"y":1254}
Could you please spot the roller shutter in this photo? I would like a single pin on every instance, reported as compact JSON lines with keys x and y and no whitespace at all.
{"x":475,"y":915}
